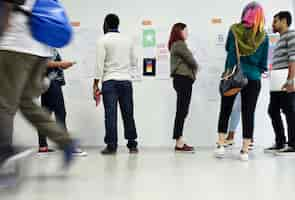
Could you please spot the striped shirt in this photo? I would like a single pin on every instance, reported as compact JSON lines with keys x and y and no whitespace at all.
{"x":283,"y":54}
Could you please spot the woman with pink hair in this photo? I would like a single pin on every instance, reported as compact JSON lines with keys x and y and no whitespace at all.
{"x":252,"y":43}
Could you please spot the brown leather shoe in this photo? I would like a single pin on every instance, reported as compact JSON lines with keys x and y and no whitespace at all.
{"x":185,"y":148}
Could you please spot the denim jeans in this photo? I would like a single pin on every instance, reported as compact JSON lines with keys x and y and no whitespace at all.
{"x":121,"y":92}
{"x":235,"y":116}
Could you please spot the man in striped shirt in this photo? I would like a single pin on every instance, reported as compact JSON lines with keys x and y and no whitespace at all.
{"x":282,"y":83}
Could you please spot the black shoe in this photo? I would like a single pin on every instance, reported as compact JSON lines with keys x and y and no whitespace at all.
{"x":286,"y":152}
{"x":108,"y":151}
{"x":274,"y":148}
{"x":133,"y":150}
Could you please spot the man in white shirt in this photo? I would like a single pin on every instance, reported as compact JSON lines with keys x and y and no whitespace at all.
{"x":23,"y":63}
{"x":282,"y":95}
{"x":115,"y":58}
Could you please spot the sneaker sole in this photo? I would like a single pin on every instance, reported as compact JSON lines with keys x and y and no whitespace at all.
{"x":284,"y":154}
{"x":219,"y":154}
{"x":270,"y":151}
{"x":189,"y":152}
{"x":84,"y":154}
{"x":45,"y":153}
{"x":244,"y":159}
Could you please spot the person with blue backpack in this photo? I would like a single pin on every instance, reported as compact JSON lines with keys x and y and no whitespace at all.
{"x":23,"y":63}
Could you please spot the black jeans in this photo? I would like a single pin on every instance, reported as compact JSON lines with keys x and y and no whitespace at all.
{"x":249,"y":97}
{"x":282,"y":101}
{"x":183,"y":87}
{"x":53,"y":101}
{"x":121,"y":92}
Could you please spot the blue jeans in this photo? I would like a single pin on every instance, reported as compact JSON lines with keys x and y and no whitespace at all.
{"x":121,"y":92}
{"x":235,"y":116}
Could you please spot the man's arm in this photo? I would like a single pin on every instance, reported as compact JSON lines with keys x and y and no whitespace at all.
{"x":133,"y":60}
{"x":291,"y":71}
{"x":100,"y":58}
{"x":290,"y":83}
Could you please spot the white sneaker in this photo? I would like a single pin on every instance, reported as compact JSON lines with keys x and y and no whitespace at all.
{"x":251,"y":146}
{"x":79,"y":152}
{"x":244,"y":156}
{"x":219,"y":151}
{"x":229,"y":143}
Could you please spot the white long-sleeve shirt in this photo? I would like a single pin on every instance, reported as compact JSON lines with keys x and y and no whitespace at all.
{"x":115,"y":57}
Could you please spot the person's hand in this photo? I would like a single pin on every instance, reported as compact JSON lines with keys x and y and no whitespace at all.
{"x":95,"y":91}
{"x":66,"y":64}
{"x":288,"y":87}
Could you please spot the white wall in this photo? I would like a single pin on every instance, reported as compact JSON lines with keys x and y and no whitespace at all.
{"x":155,"y":99}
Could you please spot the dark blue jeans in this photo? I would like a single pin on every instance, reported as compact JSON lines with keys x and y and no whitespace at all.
{"x":53,"y":101}
{"x":121,"y":92}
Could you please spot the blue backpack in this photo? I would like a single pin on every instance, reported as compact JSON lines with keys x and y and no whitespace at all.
{"x":49,"y":23}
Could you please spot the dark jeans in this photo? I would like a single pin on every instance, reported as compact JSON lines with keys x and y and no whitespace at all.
{"x":53,"y":101}
{"x":249,"y":97}
{"x":183,"y":87}
{"x":282,"y":101}
{"x":121,"y":92}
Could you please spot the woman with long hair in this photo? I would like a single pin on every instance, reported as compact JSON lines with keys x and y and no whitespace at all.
{"x":183,"y":71}
{"x":253,"y":44}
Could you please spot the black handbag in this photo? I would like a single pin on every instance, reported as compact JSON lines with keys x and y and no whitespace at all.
{"x":233,"y":80}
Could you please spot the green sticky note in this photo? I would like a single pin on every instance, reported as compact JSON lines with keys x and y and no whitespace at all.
{"x":149,"y":38}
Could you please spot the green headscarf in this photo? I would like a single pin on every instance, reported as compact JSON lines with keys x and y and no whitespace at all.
{"x":248,"y":41}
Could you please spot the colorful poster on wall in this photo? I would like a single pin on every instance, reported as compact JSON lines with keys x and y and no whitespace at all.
{"x":163,"y":55}
{"x":149,"y":67}
{"x":149,"y":38}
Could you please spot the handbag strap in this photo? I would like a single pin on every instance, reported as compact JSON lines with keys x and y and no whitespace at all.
{"x":238,"y":58}
{"x":237,"y":49}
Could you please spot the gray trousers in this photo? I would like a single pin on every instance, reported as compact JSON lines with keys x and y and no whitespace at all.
{"x":21,"y":81}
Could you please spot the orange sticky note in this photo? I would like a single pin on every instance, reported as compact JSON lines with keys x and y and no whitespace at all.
{"x":147,"y":22}
{"x":216,"y":21}
{"x":75,"y":24}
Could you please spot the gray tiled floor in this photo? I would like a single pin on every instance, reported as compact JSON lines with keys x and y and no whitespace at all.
{"x":159,"y":174}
